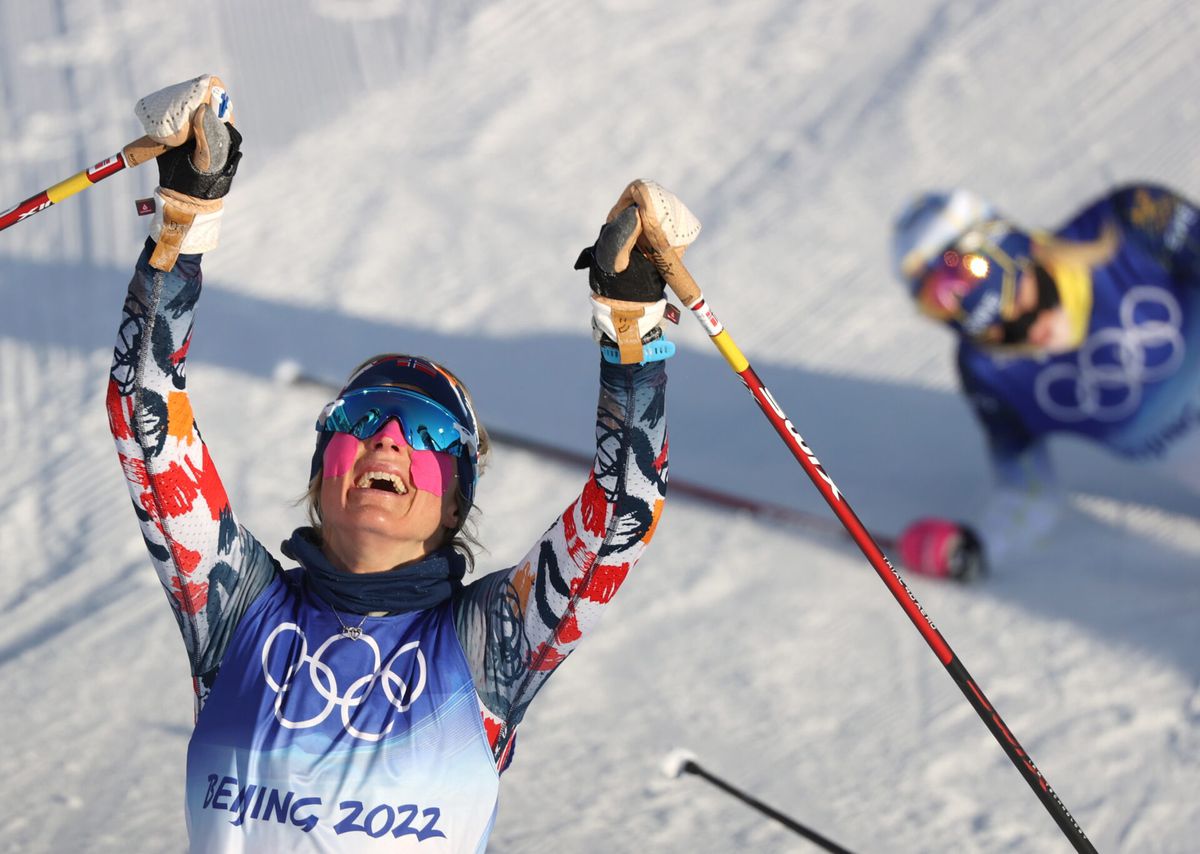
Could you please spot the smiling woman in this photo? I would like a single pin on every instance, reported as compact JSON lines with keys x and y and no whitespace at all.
{"x":368,"y":697}
{"x":396,"y":412}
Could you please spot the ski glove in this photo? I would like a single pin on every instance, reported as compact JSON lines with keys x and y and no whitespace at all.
{"x":942,"y":548}
{"x":628,"y":305}
{"x":195,"y":118}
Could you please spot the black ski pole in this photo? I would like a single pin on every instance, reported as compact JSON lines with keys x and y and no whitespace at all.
{"x":681,"y":762}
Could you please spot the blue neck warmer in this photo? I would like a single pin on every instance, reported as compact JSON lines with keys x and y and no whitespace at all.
{"x":415,"y":586}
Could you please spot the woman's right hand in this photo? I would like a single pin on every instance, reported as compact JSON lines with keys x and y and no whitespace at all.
{"x":195,"y":118}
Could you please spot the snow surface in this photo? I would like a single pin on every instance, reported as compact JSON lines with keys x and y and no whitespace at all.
{"x":420,"y":175}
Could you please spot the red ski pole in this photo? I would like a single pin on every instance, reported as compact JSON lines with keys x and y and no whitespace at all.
{"x":134,"y":154}
{"x":671,"y":267}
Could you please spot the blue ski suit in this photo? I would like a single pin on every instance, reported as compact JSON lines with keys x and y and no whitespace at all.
{"x":1131,"y":264}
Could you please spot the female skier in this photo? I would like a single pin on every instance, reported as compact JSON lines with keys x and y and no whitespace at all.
{"x":367,"y":699}
{"x":1090,"y":330}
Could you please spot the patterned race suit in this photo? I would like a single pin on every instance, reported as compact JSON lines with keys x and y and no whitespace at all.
{"x":309,"y":740}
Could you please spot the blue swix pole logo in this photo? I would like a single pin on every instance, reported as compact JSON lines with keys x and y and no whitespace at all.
{"x":222,"y":103}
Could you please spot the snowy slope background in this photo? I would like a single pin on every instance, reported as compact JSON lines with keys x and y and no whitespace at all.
{"x":420,"y":176}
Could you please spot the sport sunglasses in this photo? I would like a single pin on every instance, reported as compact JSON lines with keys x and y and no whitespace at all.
{"x":426,"y":425}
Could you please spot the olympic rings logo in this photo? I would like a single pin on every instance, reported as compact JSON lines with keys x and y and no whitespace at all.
{"x":324,"y":682}
{"x":1114,"y":364}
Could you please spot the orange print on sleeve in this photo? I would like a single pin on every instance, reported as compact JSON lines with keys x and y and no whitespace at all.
{"x":522,"y":582}
{"x":658,"y":507}
{"x":180,"y":419}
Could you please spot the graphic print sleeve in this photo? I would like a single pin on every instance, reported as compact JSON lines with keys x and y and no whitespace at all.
{"x":210,"y":567}
{"x":517,"y":626}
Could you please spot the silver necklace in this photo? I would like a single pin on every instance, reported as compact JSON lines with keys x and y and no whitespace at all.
{"x":351,"y":632}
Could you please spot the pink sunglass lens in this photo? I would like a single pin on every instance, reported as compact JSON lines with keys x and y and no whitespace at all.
{"x":947,"y":283}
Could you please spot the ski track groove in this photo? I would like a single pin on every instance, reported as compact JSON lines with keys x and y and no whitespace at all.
{"x":1122,"y":94}
{"x":88,"y":605}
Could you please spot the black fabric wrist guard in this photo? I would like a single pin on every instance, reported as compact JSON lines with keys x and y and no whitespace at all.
{"x":639,"y":282}
{"x":177,"y":172}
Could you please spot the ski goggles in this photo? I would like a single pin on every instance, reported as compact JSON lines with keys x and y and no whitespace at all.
{"x":948,"y":281}
{"x":973,"y":285}
{"x":425,"y":424}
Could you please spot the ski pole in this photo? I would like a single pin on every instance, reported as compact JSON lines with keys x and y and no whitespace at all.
{"x":685,"y":287}
{"x":682,"y":762}
{"x":134,"y":154}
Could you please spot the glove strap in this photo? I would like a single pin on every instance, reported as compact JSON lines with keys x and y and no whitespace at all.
{"x":182,"y":225}
{"x":629,"y":337}
{"x":655,"y":351}
{"x":626,"y":323}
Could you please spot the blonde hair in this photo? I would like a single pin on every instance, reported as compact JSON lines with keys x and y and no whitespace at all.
{"x":462,"y":538}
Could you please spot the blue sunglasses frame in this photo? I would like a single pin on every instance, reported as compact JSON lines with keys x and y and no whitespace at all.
{"x":426,"y":425}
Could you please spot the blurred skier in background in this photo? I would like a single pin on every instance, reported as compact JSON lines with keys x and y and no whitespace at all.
{"x":1091,"y":330}
{"x":368,"y":699}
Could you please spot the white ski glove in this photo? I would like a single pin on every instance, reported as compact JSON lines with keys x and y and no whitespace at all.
{"x":195,"y":118}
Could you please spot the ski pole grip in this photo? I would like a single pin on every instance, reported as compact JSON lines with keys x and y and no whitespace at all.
{"x":670,"y":267}
{"x":654,"y":242}
{"x":140,"y":150}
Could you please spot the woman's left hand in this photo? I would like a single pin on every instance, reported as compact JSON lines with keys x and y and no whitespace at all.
{"x":628,"y":302}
